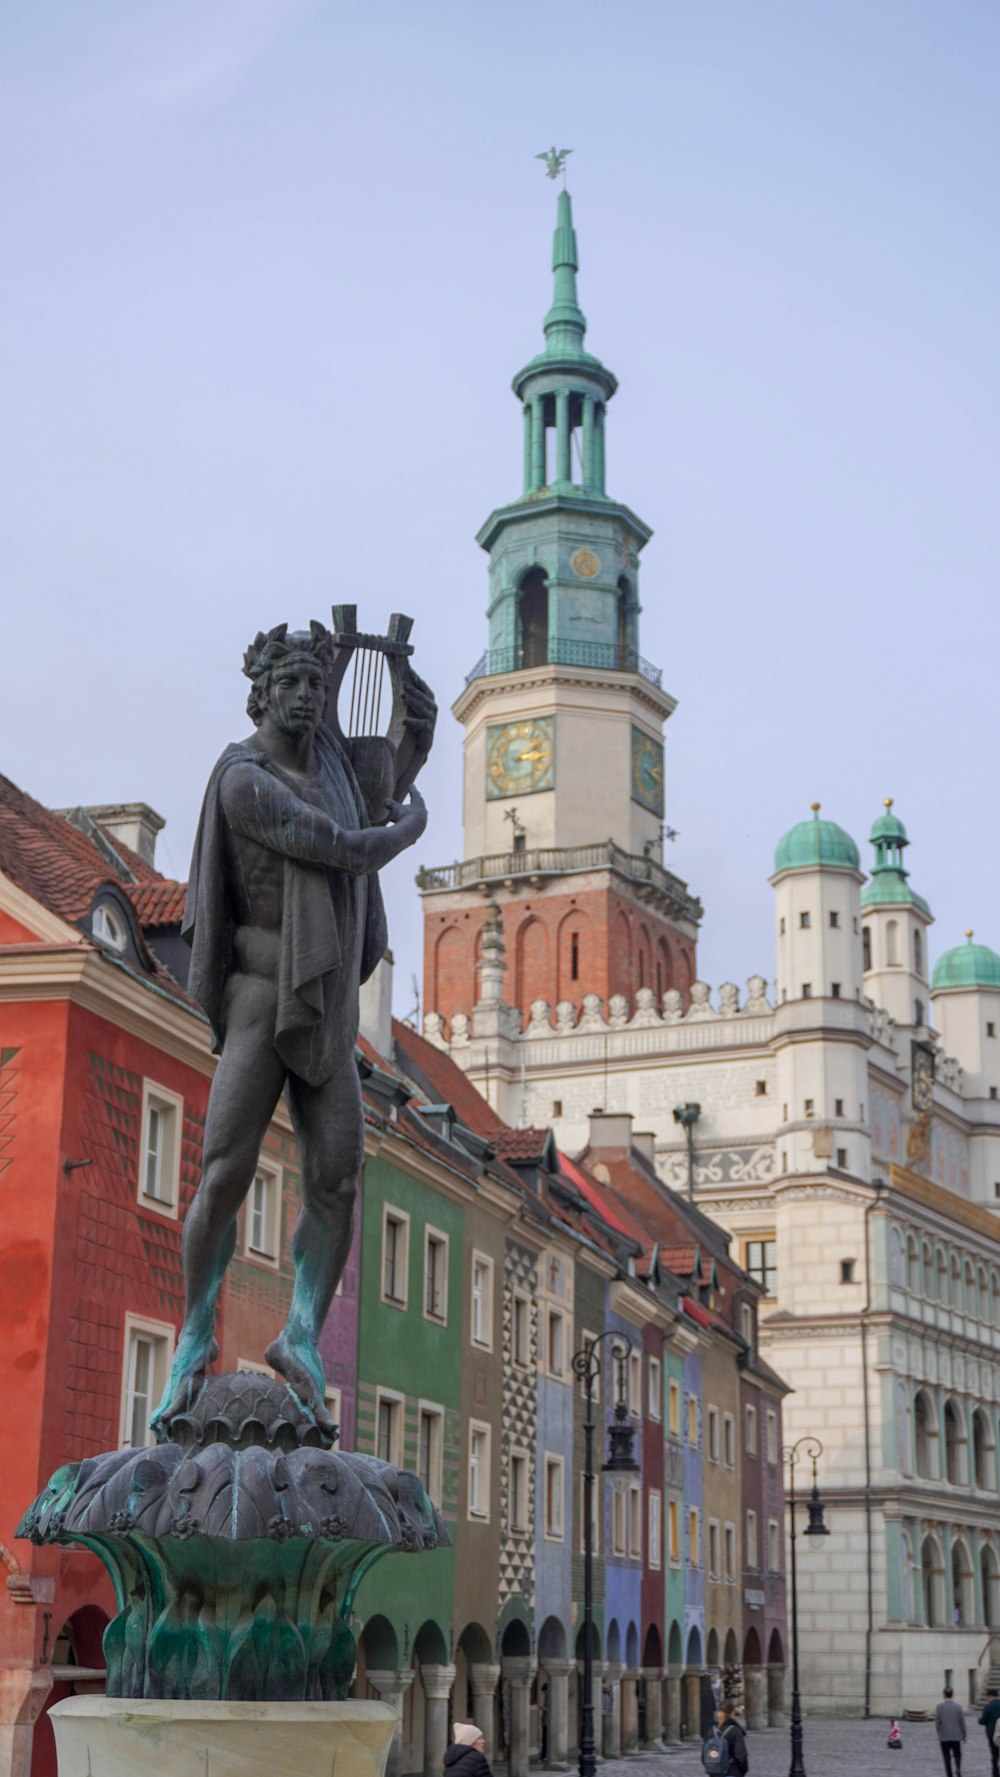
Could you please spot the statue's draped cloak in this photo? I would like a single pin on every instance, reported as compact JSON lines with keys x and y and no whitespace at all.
{"x":333,"y":924}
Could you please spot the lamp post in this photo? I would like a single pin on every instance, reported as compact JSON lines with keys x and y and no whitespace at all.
{"x":621,"y":1461}
{"x":687,"y":1116}
{"x":806,"y":1449}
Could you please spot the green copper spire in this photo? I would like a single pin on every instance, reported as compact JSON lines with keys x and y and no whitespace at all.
{"x":565,"y":323}
{"x":889,"y":885}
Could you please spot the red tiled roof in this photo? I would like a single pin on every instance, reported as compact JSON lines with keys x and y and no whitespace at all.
{"x":159,"y":903}
{"x":520,"y":1144}
{"x":445,"y":1082}
{"x":607,"y":1205}
{"x":51,"y":861}
{"x":681,"y":1260}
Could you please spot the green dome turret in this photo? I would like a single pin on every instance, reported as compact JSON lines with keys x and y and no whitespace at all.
{"x":968,"y":965}
{"x":889,"y":885}
{"x":816,"y":843}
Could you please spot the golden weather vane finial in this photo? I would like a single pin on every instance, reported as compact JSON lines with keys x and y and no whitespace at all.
{"x":555,"y":162}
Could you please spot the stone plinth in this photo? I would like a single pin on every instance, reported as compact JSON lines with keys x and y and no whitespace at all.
{"x":116,"y":1737}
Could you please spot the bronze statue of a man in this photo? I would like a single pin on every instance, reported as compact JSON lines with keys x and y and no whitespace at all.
{"x":285,"y":920}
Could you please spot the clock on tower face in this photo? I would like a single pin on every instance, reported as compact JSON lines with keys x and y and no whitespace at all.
{"x":520,"y":758}
{"x":647,"y":772}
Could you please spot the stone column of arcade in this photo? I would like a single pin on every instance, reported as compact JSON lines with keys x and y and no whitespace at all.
{"x":557,"y":1672}
{"x":392,"y":1688}
{"x":437,"y":1682}
{"x":518,"y":1673}
{"x":611,"y":1719}
{"x":653,"y":1679}
{"x":672,"y":1729}
{"x":484,"y":1679}
{"x":237,"y":1544}
{"x":630,"y":1712}
{"x":755,"y":1696}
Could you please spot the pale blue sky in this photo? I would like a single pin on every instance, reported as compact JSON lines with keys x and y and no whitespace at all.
{"x":269,"y":265}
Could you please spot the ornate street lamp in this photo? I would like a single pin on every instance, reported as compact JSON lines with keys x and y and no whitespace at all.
{"x":621,"y":1461}
{"x":687,"y":1116}
{"x":809,"y":1450}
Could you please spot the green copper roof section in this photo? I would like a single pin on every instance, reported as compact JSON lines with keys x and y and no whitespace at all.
{"x":565,"y":323}
{"x":968,"y":965}
{"x":814,"y":843}
{"x":889,"y":885}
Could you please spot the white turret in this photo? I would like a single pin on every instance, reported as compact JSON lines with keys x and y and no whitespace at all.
{"x":894,"y":932}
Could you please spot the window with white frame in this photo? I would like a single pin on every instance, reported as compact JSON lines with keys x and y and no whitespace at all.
{"x":160,"y":1148}
{"x":713,"y":1434}
{"x":673,"y":1530}
{"x":635,"y":1521}
{"x":674,"y":1409}
{"x":430,"y":1449}
{"x":389,"y":1428}
{"x":618,"y":1531}
{"x":263,"y":1221}
{"x":108,"y":925}
{"x":435,"y":1275}
{"x":752,"y":1550}
{"x":520,"y":1335}
{"x":694,"y":1536}
{"x":517,"y":1504}
{"x":395,"y":1256}
{"x":772,"y":1435}
{"x":555,"y":1343}
{"x":692,"y":1419}
{"x":773,"y":1546}
{"x":482,"y":1301}
{"x":746,"y":1316}
{"x":554,"y":1497}
{"x":729,"y":1551}
{"x":750,"y":1436}
{"x":479,"y":1469}
{"x":635,"y":1384}
{"x":655,"y":1515}
{"x":655,"y":1389}
{"x":729,"y":1440}
{"x":148,"y":1351}
{"x":713,"y":1548}
{"x":596,"y":1516}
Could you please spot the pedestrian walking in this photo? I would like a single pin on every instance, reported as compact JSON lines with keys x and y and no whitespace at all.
{"x":725,"y":1749}
{"x":895,"y":1740}
{"x":466,"y":1756}
{"x":949,"y":1721}
{"x":988,"y":1720}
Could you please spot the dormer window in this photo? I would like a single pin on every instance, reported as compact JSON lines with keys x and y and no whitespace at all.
{"x":108,"y":927}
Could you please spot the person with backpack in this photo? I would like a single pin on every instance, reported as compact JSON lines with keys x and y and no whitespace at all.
{"x":725,"y":1749}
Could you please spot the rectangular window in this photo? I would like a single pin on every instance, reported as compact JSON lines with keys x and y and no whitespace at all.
{"x":655,"y":1517}
{"x":773,"y":1546}
{"x":482,"y":1301}
{"x":713,"y":1549}
{"x":555,"y":1486}
{"x":729,"y":1552}
{"x":395,"y":1256}
{"x":805,"y":921}
{"x":746,"y":1317}
{"x":160,"y":1148}
{"x":692,"y":1425}
{"x":838,"y":1107}
{"x":520,"y":1337}
{"x":635,"y":1522}
{"x":435,"y":1275}
{"x":148,"y":1351}
{"x":761,"y":1263}
{"x":991,"y":1030}
{"x":555,"y":1344}
{"x":518,"y":1505}
{"x":760,"y":1088}
{"x":835,"y":990}
{"x":835,"y":919}
{"x":655,"y":1389}
{"x":750,"y":1440}
{"x":674,"y":1529}
{"x":674,"y":1402}
{"x":809,"y":1107}
{"x":389,"y":1428}
{"x":617,"y":1522}
{"x":694,"y":1537}
{"x":713,"y":1434}
{"x":479,"y":1470}
{"x":842,"y":1159}
{"x":635,"y":1384}
{"x":263,"y":1214}
{"x":807,"y":990}
{"x":431,"y":1446}
{"x":772,"y":1435}
{"x":752,"y":1561}
{"x":729,"y":1440}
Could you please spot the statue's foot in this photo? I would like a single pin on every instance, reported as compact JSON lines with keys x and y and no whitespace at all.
{"x":298,"y":1361}
{"x":187,"y":1377}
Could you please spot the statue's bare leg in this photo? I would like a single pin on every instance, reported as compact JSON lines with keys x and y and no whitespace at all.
{"x":330,"y":1129}
{"x":245,"y":1090}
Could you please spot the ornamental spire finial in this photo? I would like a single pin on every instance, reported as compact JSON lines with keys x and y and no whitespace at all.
{"x":555,"y":162}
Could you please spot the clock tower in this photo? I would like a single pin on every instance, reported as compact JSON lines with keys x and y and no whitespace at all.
{"x":564,"y":771}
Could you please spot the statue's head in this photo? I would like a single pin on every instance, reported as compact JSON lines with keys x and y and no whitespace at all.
{"x":282,"y":656}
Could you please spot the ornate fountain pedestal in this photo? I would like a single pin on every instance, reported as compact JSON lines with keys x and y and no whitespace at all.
{"x":236,"y":1548}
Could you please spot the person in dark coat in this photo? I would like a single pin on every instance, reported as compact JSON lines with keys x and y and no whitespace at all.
{"x":466,"y":1756}
{"x":988,"y":1720}
{"x":731,"y":1731}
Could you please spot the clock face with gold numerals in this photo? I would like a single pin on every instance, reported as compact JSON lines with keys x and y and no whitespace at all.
{"x":585,"y":563}
{"x":647,"y":771}
{"x":520,"y":758}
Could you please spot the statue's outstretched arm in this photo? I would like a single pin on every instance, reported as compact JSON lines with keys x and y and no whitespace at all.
{"x":259,"y":807}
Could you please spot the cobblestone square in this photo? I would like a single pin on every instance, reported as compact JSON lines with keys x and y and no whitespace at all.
{"x":831,"y":1748}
